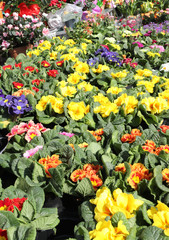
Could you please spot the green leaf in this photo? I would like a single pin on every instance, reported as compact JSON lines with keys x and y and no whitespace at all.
{"x":94,"y":147}
{"x":7,"y":219}
{"x":154,"y":233}
{"x":87,"y":212}
{"x":85,"y":188}
{"x":120,"y":216}
{"x":28,"y":211}
{"x":22,"y":232}
{"x":38,"y":195}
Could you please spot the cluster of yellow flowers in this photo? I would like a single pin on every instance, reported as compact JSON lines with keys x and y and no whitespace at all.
{"x":107,"y":205}
{"x":56,"y":103}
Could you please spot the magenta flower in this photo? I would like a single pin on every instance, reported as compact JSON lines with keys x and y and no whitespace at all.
{"x":67,"y":134}
{"x":139,"y":44}
{"x":31,"y":152}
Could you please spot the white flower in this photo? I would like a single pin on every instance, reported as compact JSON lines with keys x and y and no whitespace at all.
{"x":165,"y":67}
{"x":110,"y":39}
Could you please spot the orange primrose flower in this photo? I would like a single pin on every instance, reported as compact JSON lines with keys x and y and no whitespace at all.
{"x":50,"y":162}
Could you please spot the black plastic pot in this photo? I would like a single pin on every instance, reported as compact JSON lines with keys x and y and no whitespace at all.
{"x":44,"y":235}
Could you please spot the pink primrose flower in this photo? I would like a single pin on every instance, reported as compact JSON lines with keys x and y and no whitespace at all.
{"x":31,"y":133}
{"x":67,"y":134}
{"x":5,"y":34}
{"x":139,"y":44}
{"x":15,"y":16}
{"x":45,"y":31}
{"x":31,"y":152}
{"x":160,"y":47}
{"x":10,"y":26}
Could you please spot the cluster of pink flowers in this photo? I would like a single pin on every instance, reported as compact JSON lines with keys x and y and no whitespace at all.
{"x":31,"y":129}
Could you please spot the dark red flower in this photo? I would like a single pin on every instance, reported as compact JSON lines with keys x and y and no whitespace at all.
{"x":45,"y":64}
{"x":3,"y":234}
{"x":37,"y":81}
{"x":17,"y":85}
{"x":60,"y":63}
{"x":34,"y":9}
{"x":7,"y":67}
{"x":26,"y":74}
{"x":18,"y":64}
{"x":35,"y":89}
{"x":31,"y":69}
{"x":52,"y":73}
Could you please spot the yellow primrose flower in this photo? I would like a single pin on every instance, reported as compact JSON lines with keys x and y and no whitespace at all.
{"x":108,"y":205}
{"x":4,"y":123}
{"x":136,"y":34}
{"x":62,"y":83}
{"x":84,"y":47}
{"x":152,"y":54}
{"x":160,"y":216}
{"x":57,"y":103}
{"x":155,"y":105}
{"x":60,"y":47}
{"x":100,"y":68}
{"x":149,"y":85}
{"x":116,"y":46}
{"x":77,"y":110}
{"x":130,"y":104}
{"x":88,"y":40}
{"x":74,"y":78}
{"x":105,"y":231}
{"x":35,"y":52}
{"x":85,"y":86}
{"x":46,"y":44}
{"x":120,"y":74}
{"x":74,"y":50}
{"x":101,"y":98}
{"x":69,"y":56}
{"x":114,"y":90}
{"x":144,"y":72}
{"x":106,"y":109}
{"x":69,"y":42}
{"x":121,"y":100}
{"x":68,"y":91}
{"x":155,"y":79}
{"x":53,"y":55}
{"x":81,"y":67}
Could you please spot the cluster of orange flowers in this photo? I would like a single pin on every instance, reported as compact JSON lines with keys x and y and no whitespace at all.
{"x":150,"y":146}
{"x":50,"y":162}
{"x":97,"y":134}
{"x":138,"y":173}
{"x":130,"y":138}
{"x":89,"y":171}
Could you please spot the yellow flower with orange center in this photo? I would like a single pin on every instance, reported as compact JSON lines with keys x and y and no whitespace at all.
{"x":149,"y":85}
{"x":22,"y":91}
{"x":77,"y":110}
{"x":53,"y":55}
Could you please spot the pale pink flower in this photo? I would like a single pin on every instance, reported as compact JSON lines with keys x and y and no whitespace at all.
{"x":15,"y":15}
{"x":67,"y":134}
{"x":160,"y":47}
{"x":34,"y":20}
{"x":31,"y":152}
{"x":27,"y":26}
{"x":45,"y":31}
{"x":5,"y":44}
{"x":16,"y":28}
{"x":31,"y":133}
{"x":10,"y":26}
{"x":2,"y":21}
{"x":5,"y":34}
{"x":6,"y":14}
